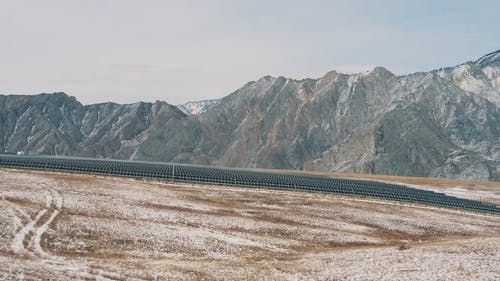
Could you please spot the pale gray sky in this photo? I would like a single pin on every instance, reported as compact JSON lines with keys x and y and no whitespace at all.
{"x":132,"y":50}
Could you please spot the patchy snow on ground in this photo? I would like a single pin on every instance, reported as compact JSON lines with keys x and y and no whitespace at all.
{"x":61,"y":226}
{"x":478,"y":193}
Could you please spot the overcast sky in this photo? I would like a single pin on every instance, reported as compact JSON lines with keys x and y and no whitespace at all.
{"x":127,"y":51}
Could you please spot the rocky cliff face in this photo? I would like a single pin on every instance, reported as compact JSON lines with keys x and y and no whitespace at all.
{"x":444,"y":123}
{"x":58,"y":124}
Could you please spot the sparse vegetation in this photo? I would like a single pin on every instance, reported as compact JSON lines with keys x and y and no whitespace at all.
{"x":126,"y":229}
{"x":403,"y":247}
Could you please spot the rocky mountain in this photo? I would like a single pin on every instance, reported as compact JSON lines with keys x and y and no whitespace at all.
{"x":59,"y":124}
{"x":442,"y":123}
{"x":196,"y":107}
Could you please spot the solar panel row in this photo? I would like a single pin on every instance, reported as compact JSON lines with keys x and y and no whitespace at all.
{"x":243,"y":178}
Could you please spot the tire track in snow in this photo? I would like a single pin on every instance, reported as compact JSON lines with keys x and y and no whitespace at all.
{"x":17,"y":244}
{"x":31,"y":235}
{"x":54,"y":204}
{"x":57,"y":203}
{"x":19,"y":215}
{"x":17,"y":209}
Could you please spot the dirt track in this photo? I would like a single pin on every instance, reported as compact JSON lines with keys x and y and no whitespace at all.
{"x":61,"y":226}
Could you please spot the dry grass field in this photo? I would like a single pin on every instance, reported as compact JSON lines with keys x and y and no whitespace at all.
{"x":58,"y":226}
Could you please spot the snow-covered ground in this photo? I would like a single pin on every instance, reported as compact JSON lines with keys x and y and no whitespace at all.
{"x":59,"y":226}
{"x":485,"y":192}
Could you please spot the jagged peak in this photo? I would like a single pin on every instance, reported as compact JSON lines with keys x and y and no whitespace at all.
{"x":268,"y":78}
{"x":330,"y":75}
{"x":493,"y":57}
{"x":380,"y":70}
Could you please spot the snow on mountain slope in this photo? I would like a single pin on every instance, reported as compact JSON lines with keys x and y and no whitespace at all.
{"x":196,"y":107}
{"x":481,"y":77}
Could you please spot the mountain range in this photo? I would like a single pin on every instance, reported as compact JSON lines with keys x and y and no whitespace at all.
{"x":441,"y":123}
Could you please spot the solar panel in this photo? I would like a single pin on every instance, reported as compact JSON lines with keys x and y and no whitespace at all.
{"x":243,"y":178}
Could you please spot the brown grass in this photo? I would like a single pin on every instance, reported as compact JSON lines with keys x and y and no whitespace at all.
{"x":287,"y":225}
{"x":24,"y":202}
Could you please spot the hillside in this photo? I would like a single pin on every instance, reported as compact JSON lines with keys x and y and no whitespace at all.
{"x":62,"y":226}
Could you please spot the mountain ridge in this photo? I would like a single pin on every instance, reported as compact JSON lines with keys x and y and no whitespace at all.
{"x":441,"y":123}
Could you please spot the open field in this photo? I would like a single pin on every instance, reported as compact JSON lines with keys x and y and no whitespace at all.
{"x":61,"y":226}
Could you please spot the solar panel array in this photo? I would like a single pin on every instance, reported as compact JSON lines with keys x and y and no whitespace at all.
{"x":243,"y":178}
